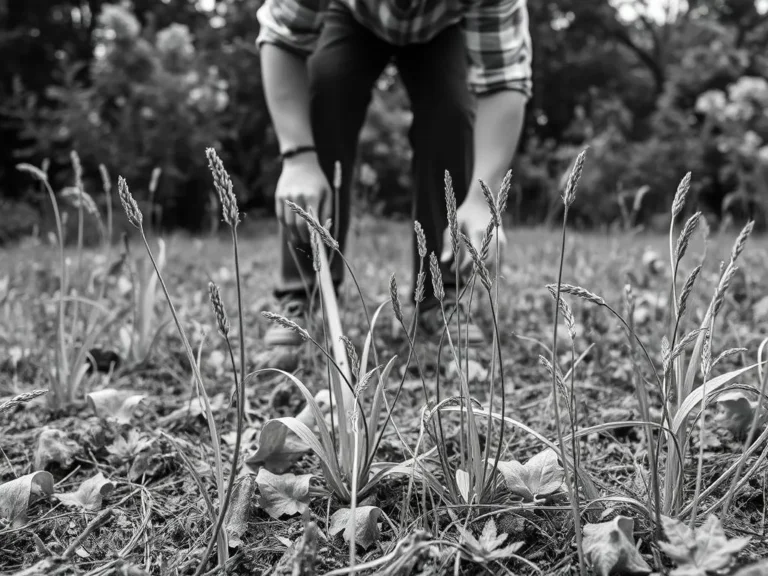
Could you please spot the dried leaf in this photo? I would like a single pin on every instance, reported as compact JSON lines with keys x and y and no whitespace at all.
{"x":147,"y":464}
{"x":277,"y":450}
{"x":54,"y":446}
{"x":117,"y":405}
{"x":17,"y":495}
{"x":759,"y":569}
{"x":365,"y":525}
{"x":486,"y":548}
{"x":539,"y":477}
{"x":700,"y":552}
{"x":89,"y":495}
{"x":236,"y":521}
{"x":610,"y":548}
{"x":462,"y":482}
{"x":737,"y":414}
{"x":284,"y":494}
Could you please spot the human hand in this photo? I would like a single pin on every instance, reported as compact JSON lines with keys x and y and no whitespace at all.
{"x":473,"y":217}
{"x":302,"y":182}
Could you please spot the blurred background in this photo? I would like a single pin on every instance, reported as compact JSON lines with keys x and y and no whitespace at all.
{"x":655,"y":88}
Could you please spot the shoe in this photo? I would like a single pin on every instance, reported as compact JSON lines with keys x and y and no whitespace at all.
{"x":293,"y":308}
{"x":431,"y":321}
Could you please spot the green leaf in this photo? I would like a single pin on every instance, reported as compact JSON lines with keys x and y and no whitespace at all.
{"x":365,"y":525}
{"x":610,"y":548}
{"x":706,"y":550}
{"x":539,"y":477}
{"x":117,"y":405}
{"x":487,"y":547}
{"x":738,"y":412}
{"x":89,"y":495}
{"x":284,"y":494}
{"x":16,"y":496}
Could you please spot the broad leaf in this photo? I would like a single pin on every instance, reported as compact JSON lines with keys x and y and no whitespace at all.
{"x":239,"y":510}
{"x":126,"y":448}
{"x":54,"y":446}
{"x":278,"y":449}
{"x":539,"y":477}
{"x":462,"y":482}
{"x":17,"y":495}
{"x":737,"y":414}
{"x":89,"y":495}
{"x":697,"y":553}
{"x":487,"y":547}
{"x":284,"y":494}
{"x":365,"y":525}
{"x":117,"y":405}
{"x":610,"y":548}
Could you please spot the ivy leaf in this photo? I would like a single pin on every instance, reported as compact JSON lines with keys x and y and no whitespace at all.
{"x":117,"y":405}
{"x":610,"y":548}
{"x":487,"y":547}
{"x":277,"y":450}
{"x":365,"y":525}
{"x":697,"y":553}
{"x":54,"y":446}
{"x":539,"y":477}
{"x":284,"y":494}
{"x":16,"y":496}
{"x":737,"y":414}
{"x":89,"y":495}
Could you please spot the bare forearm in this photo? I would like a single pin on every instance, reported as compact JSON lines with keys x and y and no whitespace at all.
{"x":497,"y":132}
{"x":286,"y":87}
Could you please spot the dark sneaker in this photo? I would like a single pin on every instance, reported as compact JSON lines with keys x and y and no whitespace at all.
{"x":432,"y":322}
{"x":293,"y":308}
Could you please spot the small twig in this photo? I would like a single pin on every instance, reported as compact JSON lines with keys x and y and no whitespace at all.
{"x":92,"y":525}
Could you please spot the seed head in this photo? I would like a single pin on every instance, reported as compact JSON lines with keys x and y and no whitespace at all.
{"x":33,"y":170}
{"x":20,"y":399}
{"x":354,"y":360}
{"x":313,"y":223}
{"x":480,"y":267}
{"x":154,"y":179}
{"x":80,"y":198}
{"x":106,"y":181}
{"x":580,"y":292}
{"x":573,"y":180}
{"x":222,"y":322}
{"x":453,"y":221}
{"x":741,"y":241}
{"x":565,"y":308}
{"x":223,"y":185}
{"x":286,"y":323}
{"x":418,"y":293}
{"x":683,"y":344}
{"x":486,"y":243}
{"x":437,"y":277}
{"x":687,"y":289}
{"x":491,"y":201}
{"x":77,"y":167}
{"x":395,"y":298}
{"x":665,"y":352}
{"x":685,"y":235}
{"x":315,"y":243}
{"x":421,"y":240}
{"x":506,"y":185}
{"x":129,"y":204}
{"x":682,"y":192}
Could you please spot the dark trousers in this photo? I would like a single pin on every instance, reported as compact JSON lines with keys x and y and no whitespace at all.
{"x":342,"y":71}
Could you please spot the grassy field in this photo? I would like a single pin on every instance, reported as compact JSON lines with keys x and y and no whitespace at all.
{"x":152,"y":446}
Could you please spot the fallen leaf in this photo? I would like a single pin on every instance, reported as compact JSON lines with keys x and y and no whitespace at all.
{"x":54,"y":446}
{"x":16,"y":496}
{"x":486,"y":548}
{"x":117,"y":405}
{"x":284,"y":494}
{"x":365,"y":525}
{"x":236,"y":521}
{"x":759,"y":569}
{"x":147,"y":464}
{"x":707,"y":549}
{"x":476,"y":371}
{"x":539,"y":477}
{"x":248,"y":436}
{"x":277,"y":450}
{"x":610,"y":548}
{"x":737,"y":413}
{"x":89,"y":495}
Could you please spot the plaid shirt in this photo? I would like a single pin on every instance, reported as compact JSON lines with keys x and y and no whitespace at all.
{"x":495,"y":31}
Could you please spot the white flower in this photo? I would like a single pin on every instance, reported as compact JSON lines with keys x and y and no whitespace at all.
{"x":711,"y":102}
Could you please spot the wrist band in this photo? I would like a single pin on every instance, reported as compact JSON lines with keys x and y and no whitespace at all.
{"x":291,"y":152}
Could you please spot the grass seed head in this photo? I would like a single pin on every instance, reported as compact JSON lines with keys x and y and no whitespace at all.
{"x":580,"y":292}
{"x":569,"y":195}
{"x":21,"y":399}
{"x":491,"y":201}
{"x":486,"y":243}
{"x":565,"y":308}
{"x":154,"y":179}
{"x":506,"y":185}
{"x":354,"y":360}
{"x":80,"y":198}
{"x":286,"y":323}
{"x":665,"y":352}
{"x":313,"y":223}
{"x":722,"y":288}
{"x":418,"y":293}
{"x":741,"y":241}
{"x":223,"y":185}
{"x":77,"y":167}
{"x":315,"y":243}
{"x":480,"y":267}
{"x":682,"y":192}
{"x":687,"y":289}
{"x":421,"y":239}
{"x":685,"y":236}
{"x":437,"y":278}
{"x":395,"y":298}
{"x":222,"y":322}
{"x":453,"y":221}
{"x":706,"y":356}
{"x":129,"y":204}
{"x":106,"y":181}
{"x":33,"y":170}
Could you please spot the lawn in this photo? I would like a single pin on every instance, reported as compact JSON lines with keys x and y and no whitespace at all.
{"x":144,"y":450}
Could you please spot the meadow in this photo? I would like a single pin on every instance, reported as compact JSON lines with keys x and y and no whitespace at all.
{"x":621,"y":432}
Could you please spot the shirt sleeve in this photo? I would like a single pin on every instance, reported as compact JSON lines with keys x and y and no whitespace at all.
{"x":499,"y":46}
{"x":291,"y":24}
